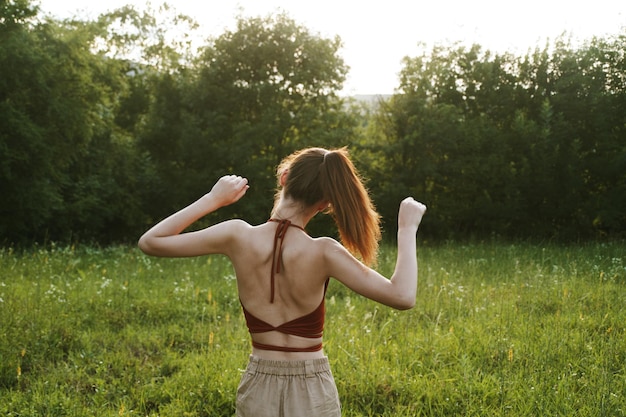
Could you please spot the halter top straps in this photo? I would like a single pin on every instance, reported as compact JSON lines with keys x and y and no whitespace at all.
{"x":277,"y":254}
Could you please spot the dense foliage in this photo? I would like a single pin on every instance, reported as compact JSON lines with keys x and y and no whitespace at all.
{"x":108,"y":125}
{"x":516,"y":146}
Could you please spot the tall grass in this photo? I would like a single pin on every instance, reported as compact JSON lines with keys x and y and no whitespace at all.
{"x":499,"y":329}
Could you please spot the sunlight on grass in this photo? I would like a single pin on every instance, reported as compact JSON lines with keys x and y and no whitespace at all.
{"x":498,"y":329}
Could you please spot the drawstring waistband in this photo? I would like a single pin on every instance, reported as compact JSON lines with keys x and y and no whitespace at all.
{"x":307,"y":367}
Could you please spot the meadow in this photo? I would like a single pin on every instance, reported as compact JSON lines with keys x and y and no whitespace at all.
{"x":499,"y":329}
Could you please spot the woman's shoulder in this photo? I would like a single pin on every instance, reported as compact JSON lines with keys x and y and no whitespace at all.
{"x":326,"y":241}
{"x":231,"y":230}
{"x":334,"y":252}
{"x":237,"y":223}
{"x":327,"y":245}
{"x":241,"y":224}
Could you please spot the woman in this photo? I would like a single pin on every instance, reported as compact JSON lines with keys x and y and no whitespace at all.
{"x":282,"y":273}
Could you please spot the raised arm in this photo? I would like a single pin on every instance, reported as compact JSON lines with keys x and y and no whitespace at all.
{"x":399,"y":291}
{"x":404,"y":277}
{"x":166,"y":237}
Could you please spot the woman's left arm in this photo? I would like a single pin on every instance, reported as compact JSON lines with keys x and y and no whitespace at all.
{"x":166,"y":237}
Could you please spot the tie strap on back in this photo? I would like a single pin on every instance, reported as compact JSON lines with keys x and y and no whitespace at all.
{"x":277,"y":258}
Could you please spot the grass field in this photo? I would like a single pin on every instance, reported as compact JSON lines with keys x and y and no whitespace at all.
{"x":498,"y":330}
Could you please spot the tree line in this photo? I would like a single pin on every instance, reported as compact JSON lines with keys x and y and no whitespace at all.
{"x":108,"y":125}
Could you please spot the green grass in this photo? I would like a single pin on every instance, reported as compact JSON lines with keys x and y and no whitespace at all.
{"x":498,"y":330}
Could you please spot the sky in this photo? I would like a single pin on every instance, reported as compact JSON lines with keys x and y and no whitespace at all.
{"x":377,"y":35}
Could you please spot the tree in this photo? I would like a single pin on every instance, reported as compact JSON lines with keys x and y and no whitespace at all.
{"x":254,"y":95}
{"x":46,"y":103}
{"x":519,"y":147}
{"x":67,"y":163}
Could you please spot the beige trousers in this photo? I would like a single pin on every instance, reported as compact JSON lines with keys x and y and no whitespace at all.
{"x":287,"y":389}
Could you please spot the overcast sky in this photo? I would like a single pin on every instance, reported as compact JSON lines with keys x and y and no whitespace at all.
{"x":377,"y":35}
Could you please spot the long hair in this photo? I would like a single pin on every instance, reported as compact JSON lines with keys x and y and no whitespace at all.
{"x":317,"y":175}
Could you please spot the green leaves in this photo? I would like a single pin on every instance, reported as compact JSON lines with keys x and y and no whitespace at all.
{"x":506,"y":145}
{"x":108,"y":125}
{"x":253,"y":96}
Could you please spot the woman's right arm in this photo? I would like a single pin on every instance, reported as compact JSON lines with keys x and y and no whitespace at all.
{"x":167,"y":238}
{"x":399,"y":291}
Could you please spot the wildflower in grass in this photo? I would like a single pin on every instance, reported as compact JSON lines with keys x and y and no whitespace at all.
{"x":510,"y":356}
{"x":19,"y":364}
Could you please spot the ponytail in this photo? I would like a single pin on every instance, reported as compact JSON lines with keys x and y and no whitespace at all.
{"x":350,"y":205}
{"x":317,"y":175}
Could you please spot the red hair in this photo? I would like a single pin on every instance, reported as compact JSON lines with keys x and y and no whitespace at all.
{"x":317,"y":175}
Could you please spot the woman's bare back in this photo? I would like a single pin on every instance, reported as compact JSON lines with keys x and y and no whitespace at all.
{"x":298,"y":287}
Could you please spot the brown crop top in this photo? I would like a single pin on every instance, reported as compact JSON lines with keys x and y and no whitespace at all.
{"x":310,"y":325}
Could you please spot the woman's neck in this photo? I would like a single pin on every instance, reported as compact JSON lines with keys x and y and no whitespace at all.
{"x":287,"y":209}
